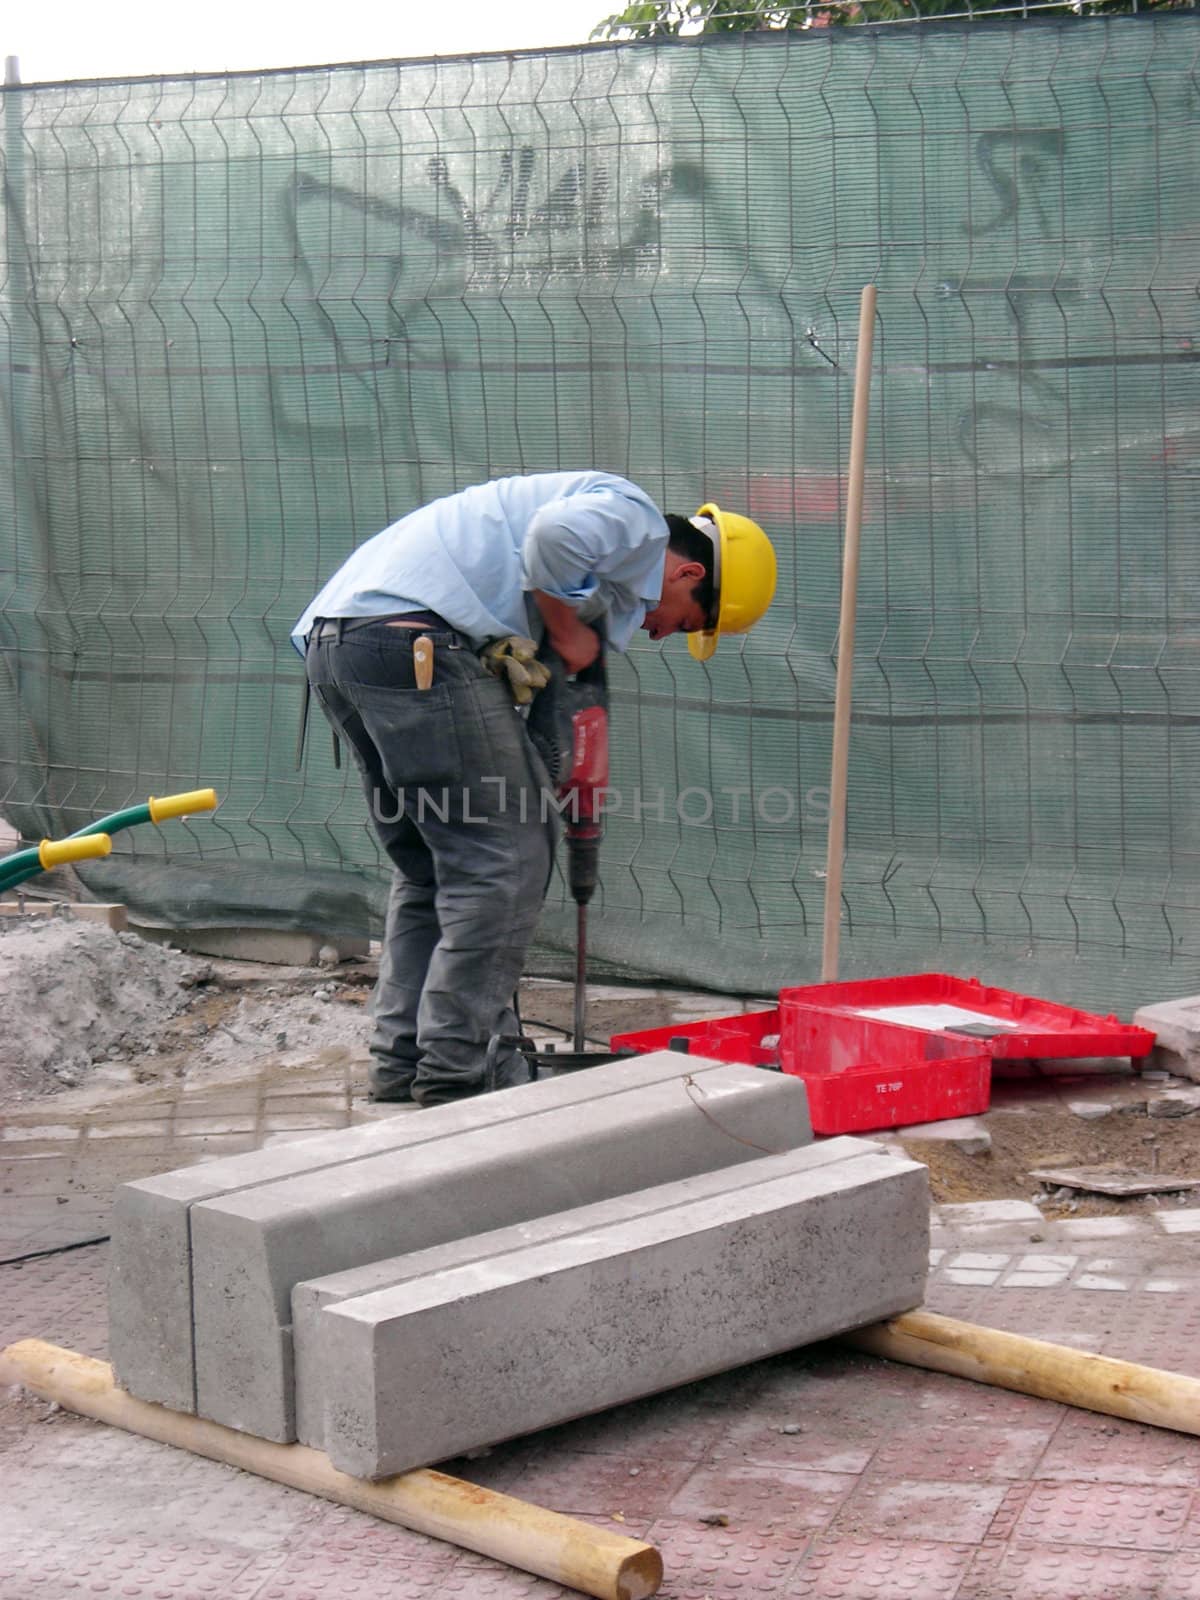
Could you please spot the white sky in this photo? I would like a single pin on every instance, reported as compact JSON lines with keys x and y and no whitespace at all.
{"x":56,"y":39}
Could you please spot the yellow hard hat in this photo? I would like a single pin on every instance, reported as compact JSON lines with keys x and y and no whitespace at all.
{"x":743,"y":577}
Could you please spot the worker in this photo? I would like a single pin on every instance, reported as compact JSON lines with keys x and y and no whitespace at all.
{"x":455,"y":786}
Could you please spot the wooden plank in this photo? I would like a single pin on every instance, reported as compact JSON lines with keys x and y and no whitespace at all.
{"x":1034,"y":1366}
{"x":593,"y":1560}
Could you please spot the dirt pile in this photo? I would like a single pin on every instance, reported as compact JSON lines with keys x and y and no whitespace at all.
{"x":79,"y":1002}
{"x":1049,"y":1134}
{"x":75,"y":993}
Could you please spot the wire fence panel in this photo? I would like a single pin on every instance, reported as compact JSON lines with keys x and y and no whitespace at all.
{"x":248,"y":321}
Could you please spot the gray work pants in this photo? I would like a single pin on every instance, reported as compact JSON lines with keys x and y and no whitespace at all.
{"x":456,"y":793}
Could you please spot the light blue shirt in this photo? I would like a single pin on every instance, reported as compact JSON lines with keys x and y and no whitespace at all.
{"x":592,"y":539}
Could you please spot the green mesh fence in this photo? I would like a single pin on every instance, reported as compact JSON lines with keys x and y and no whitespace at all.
{"x":249,"y":320}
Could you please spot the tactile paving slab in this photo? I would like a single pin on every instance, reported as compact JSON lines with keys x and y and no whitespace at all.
{"x":855,"y":1566}
{"x":821,"y":1474}
{"x":60,"y":1298}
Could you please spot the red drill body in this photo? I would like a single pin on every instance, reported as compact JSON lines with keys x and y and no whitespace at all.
{"x":569,"y":725}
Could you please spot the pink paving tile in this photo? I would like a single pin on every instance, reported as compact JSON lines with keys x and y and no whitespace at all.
{"x":960,"y":1450}
{"x":1060,"y":1316}
{"x":959,"y":1513}
{"x":498,"y":1467}
{"x":318,"y":1575}
{"x":570,"y":1481}
{"x":860,"y":1568}
{"x":1067,"y":1572}
{"x":1129,"y":1515}
{"x":1160,"y":1330}
{"x":816,"y":1444}
{"x":344,"y":1535}
{"x":1109,"y":1450}
{"x":754,"y":1497}
{"x":47,"y":1569}
{"x":865,"y":1402}
{"x":117,"y":1488}
{"x":60,"y":1299}
{"x":1182,"y":1578}
{"x":825,"y":1380}
{"x":1007,"y":1514}
{"x":719,"y":1562}
{"x":491,"y":1582}
{"x":966,"y":1401}
{"x":677,"y":1426}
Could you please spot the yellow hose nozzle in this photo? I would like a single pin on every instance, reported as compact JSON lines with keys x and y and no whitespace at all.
{"x":182,"y":805}
{"x":56,"y":852}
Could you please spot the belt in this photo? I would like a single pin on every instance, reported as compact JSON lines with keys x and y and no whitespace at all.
{"x":337,"y":627}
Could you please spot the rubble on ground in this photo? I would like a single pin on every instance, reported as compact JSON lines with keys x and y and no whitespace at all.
{"x":82,"y":1004}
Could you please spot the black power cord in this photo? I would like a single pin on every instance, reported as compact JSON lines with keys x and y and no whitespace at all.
{"x":55,"y":1250}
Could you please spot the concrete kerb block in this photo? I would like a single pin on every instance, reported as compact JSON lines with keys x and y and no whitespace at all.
{"x":280,"y":947}
{"x":967,"y":1134}
{"x":249,"y":1250}
{"x":315,"y":1348}
{"x":111,"y":915}
{"x":150,"y":1290}
{"x":485,"y":1351}
{"x":151,"y":1321}
{"x":1090,"y":1110}
{"x":1176,"y":1026}
{"x":988,"y":1214}
{"x":1174,"y":1103}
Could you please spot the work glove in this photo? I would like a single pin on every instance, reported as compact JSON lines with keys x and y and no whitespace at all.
{"x":515,"y":658}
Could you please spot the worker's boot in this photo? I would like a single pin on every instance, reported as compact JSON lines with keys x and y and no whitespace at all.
{"x":389,"y":1079}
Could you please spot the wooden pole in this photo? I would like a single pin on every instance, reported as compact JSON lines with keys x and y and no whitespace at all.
{"x":845,"y":662}
{"x":1033,"y":1366}
{"x":576,"y":1554}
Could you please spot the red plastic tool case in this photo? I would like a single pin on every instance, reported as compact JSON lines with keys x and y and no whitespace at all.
{"x":866,"y":1072}
{"x":859,"y":1074}
{"x":1024,"y":1027}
